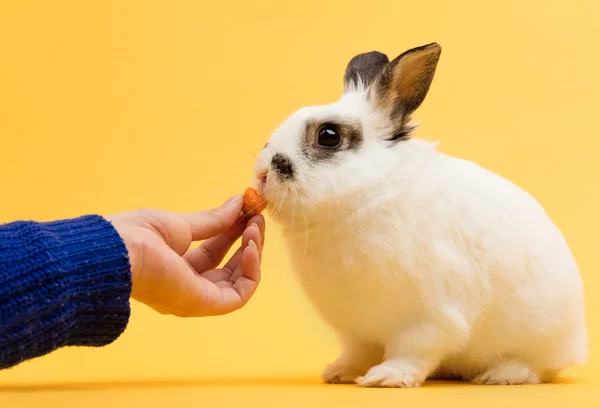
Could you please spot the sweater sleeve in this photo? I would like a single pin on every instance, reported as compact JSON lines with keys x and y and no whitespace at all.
{"x":62,"y":283}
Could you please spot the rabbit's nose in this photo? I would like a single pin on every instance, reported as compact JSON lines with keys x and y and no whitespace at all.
{"x":282,"y":165}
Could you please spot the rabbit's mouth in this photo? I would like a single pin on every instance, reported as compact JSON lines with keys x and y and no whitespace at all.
{"x":262,"y":178}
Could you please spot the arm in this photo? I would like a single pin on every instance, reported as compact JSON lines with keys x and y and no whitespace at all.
{"x":68,"y":283}
{"x":63,"y":283}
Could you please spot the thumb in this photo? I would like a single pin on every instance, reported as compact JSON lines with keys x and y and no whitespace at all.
{"x":207,"y":224}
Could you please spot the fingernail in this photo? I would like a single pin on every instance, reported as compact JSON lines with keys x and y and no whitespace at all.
{"x":253,"y":244}
{"x":233,"y":200}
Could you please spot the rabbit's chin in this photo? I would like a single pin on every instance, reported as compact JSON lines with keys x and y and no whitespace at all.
{"x":289,"y":209}
{"x":301,"y":215}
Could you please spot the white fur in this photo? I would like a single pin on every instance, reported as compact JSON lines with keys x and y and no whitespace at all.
{"x":424,"y":264}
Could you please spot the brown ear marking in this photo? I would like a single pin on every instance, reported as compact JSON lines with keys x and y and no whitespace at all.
{"x":363,"y":69}
{"x":404,"y":83}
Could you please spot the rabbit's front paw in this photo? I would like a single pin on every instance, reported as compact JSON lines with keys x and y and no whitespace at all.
{"x":508,"y":373}
{"x":341,"y":372}
{"x":390,"y":376}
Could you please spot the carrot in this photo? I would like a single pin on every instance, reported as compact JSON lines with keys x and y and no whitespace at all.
{"x":254,"y":204}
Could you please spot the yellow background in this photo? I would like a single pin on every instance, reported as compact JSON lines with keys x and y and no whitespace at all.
{"x":108,"y":106}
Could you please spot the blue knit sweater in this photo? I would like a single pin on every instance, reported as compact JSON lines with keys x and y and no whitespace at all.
{"x":63,"y":283}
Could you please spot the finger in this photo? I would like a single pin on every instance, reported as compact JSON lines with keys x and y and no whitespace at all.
{"x":207,"y":224}
{"x":176,"y":289}
{"x":231,"y":267}
{"x":210,"y":254}
{"x":234,"y":297}
{"x":234,"y":260}
{"x":246,"y":284}
{"x":201,"y":297}
{"x":215,"y":275}
{"x":259,"y":220}
{"x":251,"y":234}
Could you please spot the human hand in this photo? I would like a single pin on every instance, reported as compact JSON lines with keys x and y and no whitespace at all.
{"x":173,"y":279}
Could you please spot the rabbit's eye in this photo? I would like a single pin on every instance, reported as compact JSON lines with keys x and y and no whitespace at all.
{"x":329,"y":136}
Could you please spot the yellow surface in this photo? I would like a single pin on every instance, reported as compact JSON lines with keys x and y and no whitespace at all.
{"x":113,"y":105}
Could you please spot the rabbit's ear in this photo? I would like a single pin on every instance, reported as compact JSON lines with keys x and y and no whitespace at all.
{"x":402,"y":86}
{"x":363,"y":69}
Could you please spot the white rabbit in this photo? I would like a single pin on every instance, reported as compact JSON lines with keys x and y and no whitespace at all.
{"x":425,"y":265}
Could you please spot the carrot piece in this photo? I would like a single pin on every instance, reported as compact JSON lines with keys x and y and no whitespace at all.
{"x":254,"y":204}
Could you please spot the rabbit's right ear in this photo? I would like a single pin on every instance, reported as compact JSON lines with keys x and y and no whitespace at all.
{"x":403,"y":84}
{"x":363,"y":69}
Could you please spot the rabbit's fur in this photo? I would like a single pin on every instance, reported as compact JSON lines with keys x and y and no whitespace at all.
{"x":425,"y":265}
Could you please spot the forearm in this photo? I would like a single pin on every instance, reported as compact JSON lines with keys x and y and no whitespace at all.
{"x":64,"y":283}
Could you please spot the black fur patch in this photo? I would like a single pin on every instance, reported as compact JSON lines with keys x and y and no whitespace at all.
{"x":283,"y":166}
{"x":403,"y":133}
{"x":364,"y":69}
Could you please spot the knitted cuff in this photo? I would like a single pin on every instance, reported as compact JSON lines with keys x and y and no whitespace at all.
{"x":68,"y":284}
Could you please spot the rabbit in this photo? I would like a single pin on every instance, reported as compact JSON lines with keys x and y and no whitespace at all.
{"x":425,"y":266}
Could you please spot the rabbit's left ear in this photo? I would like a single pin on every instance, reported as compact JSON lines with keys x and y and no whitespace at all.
{"x":402,"y":86}
{"x":363,"y":69}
